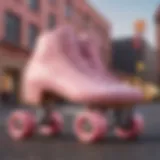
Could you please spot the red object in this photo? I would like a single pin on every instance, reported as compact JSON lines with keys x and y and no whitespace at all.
{"x":97,"y":123}
{"x":137,"y":42}
{"x":59,"y":123}
{"x":26,"y":121}
{"x":134,"y":132}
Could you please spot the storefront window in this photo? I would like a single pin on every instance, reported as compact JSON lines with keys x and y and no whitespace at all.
{"x":32,"y":35}
{"x":34,"y":4}
{"x":12,"y":28}
{"x":51,"y":21}
{"x":68,"y":9}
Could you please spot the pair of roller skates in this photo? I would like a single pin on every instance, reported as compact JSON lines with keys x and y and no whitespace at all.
{"x":70,"y":66}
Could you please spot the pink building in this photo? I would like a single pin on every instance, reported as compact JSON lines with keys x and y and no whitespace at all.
{"x":22,"y":20}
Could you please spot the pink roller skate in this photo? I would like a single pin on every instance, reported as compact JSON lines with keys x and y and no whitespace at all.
{"x":65,"y":65}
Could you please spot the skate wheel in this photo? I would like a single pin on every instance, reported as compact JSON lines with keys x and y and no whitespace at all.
{"x":90,"y":127}
{"x":55,"y":128}
{"x":58,"y":123}
{"x":138,"y":126}
{"x":21,"y":125}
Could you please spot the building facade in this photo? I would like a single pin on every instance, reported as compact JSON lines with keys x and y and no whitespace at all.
{"x":22,"y":20}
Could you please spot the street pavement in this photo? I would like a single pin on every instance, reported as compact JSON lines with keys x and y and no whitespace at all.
{"x":66,"y":147}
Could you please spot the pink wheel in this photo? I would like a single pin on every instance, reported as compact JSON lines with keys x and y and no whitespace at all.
{"x":138,"y":125}
{"x":55,"y":128}
{"x":58,"y":123}
{"x":90,"y":127}
{"x":21,"y":125}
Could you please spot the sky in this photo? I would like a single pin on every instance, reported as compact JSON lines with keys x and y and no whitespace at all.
{"x":122,"y":14}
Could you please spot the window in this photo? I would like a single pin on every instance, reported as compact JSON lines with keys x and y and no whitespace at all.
{"x":12,"y":28}
{"x":51,"y":21}
{"x":18,"y":1}
{"x":33,"y":4}
{"x":53,"y":1}
{"x":33,"y":33}
{"x":68,"y":9}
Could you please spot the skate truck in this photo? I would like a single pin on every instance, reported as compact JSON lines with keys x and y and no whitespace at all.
{"x":69,"y":65}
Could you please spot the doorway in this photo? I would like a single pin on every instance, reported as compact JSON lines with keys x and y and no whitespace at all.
{"x":13,"y":78}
